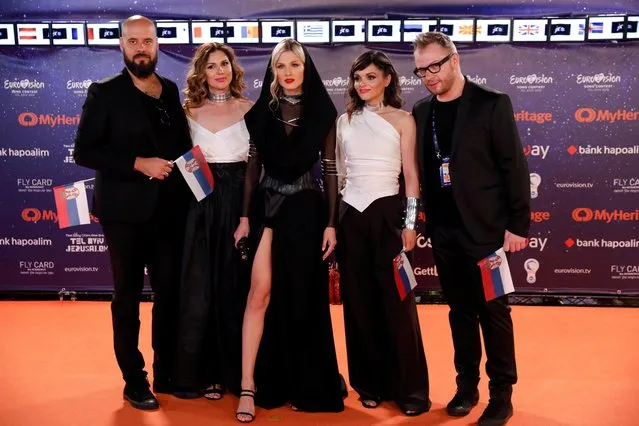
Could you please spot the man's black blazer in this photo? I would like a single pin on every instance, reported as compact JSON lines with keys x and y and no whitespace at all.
{"x":114,"y":129}
{"x":489,"y":172}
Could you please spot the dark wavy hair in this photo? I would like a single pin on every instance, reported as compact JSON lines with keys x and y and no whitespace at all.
{"x":392,"y":93}
{"x":197,"y":89}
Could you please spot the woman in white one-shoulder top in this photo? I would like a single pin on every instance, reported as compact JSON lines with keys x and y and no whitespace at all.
{"x":375,"y":144}
{"x":215,"y":279}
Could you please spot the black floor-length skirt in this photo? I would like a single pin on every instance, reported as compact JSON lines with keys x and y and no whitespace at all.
{"x":296,"y":361}
{"x":214,"y":287}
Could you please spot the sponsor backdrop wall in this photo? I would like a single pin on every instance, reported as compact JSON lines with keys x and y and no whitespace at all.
{"x":576,"y":106}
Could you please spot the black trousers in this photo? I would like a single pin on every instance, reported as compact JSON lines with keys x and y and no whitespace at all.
{"x":456,"y":258}
{"x":386,"y":358}
{"x":157,"y":244}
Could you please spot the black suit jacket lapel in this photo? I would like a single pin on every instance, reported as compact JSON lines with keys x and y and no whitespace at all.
{"x":138,"y":106}
{"x":462,"y":114}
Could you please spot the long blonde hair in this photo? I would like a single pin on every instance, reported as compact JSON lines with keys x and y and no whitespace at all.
{"x":286,"y":45}
{"x":197,"y":89}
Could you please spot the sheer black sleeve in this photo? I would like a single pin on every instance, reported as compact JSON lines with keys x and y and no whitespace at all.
{"x":251,"y":177}
{"x":329,"y":168}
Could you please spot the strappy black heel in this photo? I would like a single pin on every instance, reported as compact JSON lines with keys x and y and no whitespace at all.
{"x":251,"y":394}
{"x":214,"y":392}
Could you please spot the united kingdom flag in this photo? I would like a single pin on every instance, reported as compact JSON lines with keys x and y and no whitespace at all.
{"x":528,"y":29}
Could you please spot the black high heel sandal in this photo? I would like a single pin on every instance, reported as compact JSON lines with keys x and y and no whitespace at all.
{"x":251,"y":394}
{"x":214,"y":392}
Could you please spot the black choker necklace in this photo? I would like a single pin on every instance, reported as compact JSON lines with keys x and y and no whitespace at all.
{"x":219,"y":98}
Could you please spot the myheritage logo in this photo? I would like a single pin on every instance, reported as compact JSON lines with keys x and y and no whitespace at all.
{"x":585,"y":214}
{"x":589,"y":115}
{"x":31,"y":119}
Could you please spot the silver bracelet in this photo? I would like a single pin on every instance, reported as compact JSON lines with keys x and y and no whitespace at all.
{"x":412,"y":206}
{"x":329,"y":167}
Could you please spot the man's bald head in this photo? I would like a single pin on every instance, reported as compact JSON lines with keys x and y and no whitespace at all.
{"x":137,"y":22}
{"x":139,"y":45}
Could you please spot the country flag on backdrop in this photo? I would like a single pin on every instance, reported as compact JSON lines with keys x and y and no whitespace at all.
{"x":596,"y":28}
{"x":35,"y":34}
{"x":468,"y":29}
{"x":196,"y":172}
{"x":404,"y":275}
{"x":27,"y":33}
{"x":528,"y":29}
{"x":242,"y":32}
{"x":495,"y":275}
{"x":71,"y":204}
{"x":313,"y":30}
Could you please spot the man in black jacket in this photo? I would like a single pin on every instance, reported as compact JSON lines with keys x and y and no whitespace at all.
{"x":132,"y":127}
{"x":476,"y":192}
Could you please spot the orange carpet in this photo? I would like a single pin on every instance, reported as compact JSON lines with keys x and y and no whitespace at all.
{"x":577,"y":366}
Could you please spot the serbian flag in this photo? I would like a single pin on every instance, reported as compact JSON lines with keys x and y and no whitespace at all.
{"x":404,"y":275}
{"x":495,"y":275}
{"x":72,"y":205}
{"x":196,"y":172}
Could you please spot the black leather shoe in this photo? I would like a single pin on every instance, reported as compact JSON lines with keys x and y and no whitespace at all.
{"x":462,"y":403}
{"x":415,"y":409}
{"x":497,"y":413}
{"x":140,"y":397}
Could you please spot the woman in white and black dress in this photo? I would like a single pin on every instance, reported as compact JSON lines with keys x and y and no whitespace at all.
{"x":376,"y":143}
{"x":214,"y":280}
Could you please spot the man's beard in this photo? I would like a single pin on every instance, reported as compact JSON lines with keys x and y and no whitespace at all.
{"x":142,"y":69}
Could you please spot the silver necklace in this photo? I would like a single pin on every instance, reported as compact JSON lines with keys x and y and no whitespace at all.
{"x":291,"y":122}
{"x":374,"y":108}
{"x":219,"y":98}
{"x":292,"y":99}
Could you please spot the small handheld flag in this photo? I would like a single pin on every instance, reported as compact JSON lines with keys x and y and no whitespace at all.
{"x":495,"y":275}
{"x":196,"y":172}
{"x":71,"y":204}
{"x":404,"y":275}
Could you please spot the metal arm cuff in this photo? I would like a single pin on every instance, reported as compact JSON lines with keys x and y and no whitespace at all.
{"x":412,"y":206}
